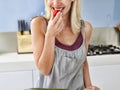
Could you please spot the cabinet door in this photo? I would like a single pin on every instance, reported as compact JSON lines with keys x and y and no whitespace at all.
{"x":19,"y":80}
{"x":106,"y":77}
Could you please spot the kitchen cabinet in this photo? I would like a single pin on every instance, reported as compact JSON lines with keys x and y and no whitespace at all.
{"x":17,"y":80}
{"x":106,"y":77}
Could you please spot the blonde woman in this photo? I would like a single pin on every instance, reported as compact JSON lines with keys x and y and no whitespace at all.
{"x":60,"y":46}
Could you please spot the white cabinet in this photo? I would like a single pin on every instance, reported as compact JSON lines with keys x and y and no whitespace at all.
{"x":106,"y":77}
{"x":18,"y":80}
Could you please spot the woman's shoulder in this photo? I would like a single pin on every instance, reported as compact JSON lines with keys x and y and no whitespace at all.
{"x":88,"y":26}
{"x":38,"y":23}
{"x":88,"y":30}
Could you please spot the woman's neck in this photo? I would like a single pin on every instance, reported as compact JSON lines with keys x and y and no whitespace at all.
{"x":66,"y":20}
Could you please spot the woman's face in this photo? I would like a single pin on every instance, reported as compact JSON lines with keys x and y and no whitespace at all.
{"x":63,"y":5}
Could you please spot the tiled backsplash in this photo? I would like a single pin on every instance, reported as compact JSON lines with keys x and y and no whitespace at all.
{"x":105,"y":36}
{"x":8,"y":40}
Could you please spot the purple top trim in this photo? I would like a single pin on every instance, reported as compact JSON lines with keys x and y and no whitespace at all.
{"x":75,"y":45}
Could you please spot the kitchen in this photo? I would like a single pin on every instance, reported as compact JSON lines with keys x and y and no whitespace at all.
{"x":17,"y":71}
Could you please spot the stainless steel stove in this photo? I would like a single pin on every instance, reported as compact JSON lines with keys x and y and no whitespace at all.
{"x":103,"y":50}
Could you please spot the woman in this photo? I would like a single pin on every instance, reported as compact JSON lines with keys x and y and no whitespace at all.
{"x":60,"y":44}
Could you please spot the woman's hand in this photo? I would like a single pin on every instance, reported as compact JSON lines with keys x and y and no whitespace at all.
{"x":92,"y":88}
{"x":55,"y":25}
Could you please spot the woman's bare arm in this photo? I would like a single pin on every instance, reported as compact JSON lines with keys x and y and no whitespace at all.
{"x":43,"y":46}
{"x":87,"y":80}
{"x":88,"y":31}
{"x":43,"y":41}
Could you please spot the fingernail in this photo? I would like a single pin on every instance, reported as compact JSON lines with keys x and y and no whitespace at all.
{"x":60,"y":13}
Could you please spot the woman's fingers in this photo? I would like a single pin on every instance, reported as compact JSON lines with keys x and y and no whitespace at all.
{"x":55,"y":25}
{"x":96,"y":88}
{"x":60,"y":20}
{"x":52,"y":16}
{"x":56,"y":18}
{"x":60,"y":27}
{"x":92,"y":88}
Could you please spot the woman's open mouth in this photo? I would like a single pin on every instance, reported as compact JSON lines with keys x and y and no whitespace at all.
{"x":58,"y":8}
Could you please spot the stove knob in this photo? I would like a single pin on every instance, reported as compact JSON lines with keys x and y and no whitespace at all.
{"x":100,"y":53}
{"x":94,"y":53}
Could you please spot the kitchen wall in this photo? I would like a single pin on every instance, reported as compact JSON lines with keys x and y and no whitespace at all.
{"x":101,"y":13}
{"x":13,"y":10}
{"x":8,"y":40}
{"x":105,"y":36}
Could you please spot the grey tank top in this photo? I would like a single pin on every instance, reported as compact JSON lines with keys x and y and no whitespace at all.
{"x":67,"y":71}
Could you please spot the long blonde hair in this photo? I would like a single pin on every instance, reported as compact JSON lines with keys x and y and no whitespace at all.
{"x":74,"y":17}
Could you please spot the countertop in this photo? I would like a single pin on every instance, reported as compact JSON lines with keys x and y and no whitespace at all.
{"x":14,"y":62}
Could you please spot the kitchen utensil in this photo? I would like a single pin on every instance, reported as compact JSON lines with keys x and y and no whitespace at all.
{"x":24,"y":37}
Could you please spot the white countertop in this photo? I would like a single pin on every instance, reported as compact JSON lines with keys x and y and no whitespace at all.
{"x":101,"y":60}
{"x":15,"y":62}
